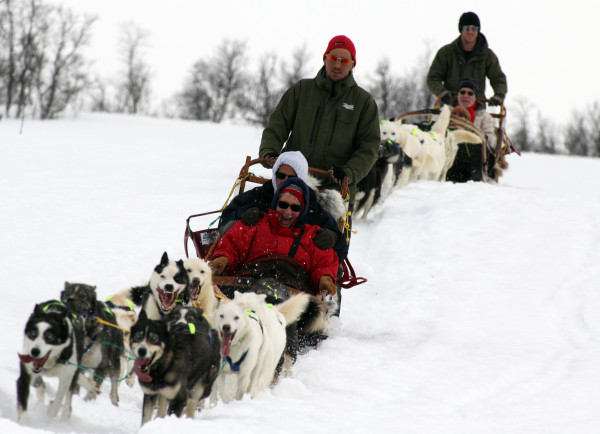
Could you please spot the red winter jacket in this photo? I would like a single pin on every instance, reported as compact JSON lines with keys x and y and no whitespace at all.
{"x":242,"y":244}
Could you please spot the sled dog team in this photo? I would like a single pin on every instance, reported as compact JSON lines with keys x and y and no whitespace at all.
{"x":184,"y":346}
{"x":408,"y":154}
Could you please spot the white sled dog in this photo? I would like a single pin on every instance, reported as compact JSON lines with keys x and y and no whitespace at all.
{"x":253,"y":338}
{"x":200,"y":288}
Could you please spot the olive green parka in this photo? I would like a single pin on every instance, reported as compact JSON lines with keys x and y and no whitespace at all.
{"x":333,"y":124}
{"x":452,"y":64}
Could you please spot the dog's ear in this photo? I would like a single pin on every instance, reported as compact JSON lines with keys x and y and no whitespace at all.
{"x":165,"y":259}
{"x":67,"y":284}
{"x":38,"y":309}
{"x":142,"y":316}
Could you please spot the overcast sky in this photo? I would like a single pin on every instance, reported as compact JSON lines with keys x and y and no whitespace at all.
{"x":548,"y":50}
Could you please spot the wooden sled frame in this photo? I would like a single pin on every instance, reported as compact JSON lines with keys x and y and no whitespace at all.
{"x":205,"y":240}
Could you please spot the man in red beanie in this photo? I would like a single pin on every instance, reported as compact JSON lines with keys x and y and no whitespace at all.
{"x":467,"y":56}
{"x":329,"y":118}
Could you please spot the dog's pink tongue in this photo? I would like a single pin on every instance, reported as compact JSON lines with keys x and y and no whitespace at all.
{"x":138,"y":365}
{"x":25,"y":358}
{"x":226,"y":339}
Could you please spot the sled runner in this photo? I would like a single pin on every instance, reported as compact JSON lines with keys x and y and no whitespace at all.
{"x":473,"y":162}
{"x":205,"y":240}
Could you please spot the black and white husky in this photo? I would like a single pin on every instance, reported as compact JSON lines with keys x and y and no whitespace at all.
{"x":177,"y":361}
{"x":103,"y":340}
{"x":51,"y":347}
{"x":168,"y":283}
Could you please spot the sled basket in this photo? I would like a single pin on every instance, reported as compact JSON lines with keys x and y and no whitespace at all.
{"x":205,"y":240}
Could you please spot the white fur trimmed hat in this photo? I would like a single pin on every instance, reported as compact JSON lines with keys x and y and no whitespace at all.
{"x":296,"y":161}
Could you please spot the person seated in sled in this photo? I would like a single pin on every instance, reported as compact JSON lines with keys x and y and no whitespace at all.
{"x":280,"y":245}
{"x":467,"y":98}
{"x":250,"y":205}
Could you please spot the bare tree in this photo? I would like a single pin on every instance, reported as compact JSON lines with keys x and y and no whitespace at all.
{"x":399,"y":94}
{"x":196,"y":102}
{"x":99,"y":96}
{"x":594,"y":129}
{"x":385,"y":89}
{"x":582,"y":135}
{"x":547,"y":138}
{"x":423,"y":98}
{"x":296,"y":69}
{"x":576,"y":136}
{"x":262,"y":94}
{"x":43,"y":67}
{"x":521,"y":135}
{"x":135,"y":86}
{"x":25,"y":30}
{"x":61,"y":75}
{"x":215,"y":83}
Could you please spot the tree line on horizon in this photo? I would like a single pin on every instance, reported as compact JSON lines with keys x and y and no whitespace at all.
{"x":44,"y":71}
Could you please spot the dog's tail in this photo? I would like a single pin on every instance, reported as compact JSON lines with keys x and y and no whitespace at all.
{"x":305,"y":311}
{"x":464,"y":136}
{"x":135,"y":294}
{"x":441,"y":124}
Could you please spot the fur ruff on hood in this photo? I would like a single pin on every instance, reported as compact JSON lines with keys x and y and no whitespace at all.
{"x":330,"y":200}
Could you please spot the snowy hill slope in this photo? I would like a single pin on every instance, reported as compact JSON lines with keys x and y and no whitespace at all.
{"x":479,"y":316}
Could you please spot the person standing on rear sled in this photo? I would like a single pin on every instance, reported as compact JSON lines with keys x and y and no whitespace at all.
{"x":330,"y":119}
{"x":467,"y":56}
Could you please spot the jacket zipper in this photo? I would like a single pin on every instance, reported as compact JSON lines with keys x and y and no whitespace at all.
{"x":314,"y":127}
{"x":335,"y":118}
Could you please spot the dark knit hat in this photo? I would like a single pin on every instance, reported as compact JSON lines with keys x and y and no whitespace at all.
{"x":341,"y":41}
{"x":468,"y":19}
{"x":470,"y":83}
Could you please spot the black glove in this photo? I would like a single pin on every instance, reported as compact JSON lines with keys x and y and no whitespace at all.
{"x":339,"y":174}
{"x":251,"y":216}
{"x":496,"y":99}
{"x":445,"y":97}
{"x":270,"y":160}
{"x":326,"y":238}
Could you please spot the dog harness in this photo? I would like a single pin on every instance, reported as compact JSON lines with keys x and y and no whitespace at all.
{"x":235,"y":367}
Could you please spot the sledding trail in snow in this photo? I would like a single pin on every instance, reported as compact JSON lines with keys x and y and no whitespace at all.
{"x":479,"y":315}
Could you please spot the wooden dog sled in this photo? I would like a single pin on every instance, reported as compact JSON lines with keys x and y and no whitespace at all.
{"x":473,"y":162}
{"x":205,"y":240}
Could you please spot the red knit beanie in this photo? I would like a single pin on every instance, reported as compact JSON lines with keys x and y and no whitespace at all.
{"x":292,"y":189}
{"x":341,"y":41}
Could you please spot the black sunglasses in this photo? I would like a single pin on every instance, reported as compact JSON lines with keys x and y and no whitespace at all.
{"x":284,"y":205}
{"x":280,"y":175}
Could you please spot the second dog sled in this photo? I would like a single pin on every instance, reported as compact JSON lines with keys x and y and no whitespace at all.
{"x":205,"y":239}
{"x":472,"y":162}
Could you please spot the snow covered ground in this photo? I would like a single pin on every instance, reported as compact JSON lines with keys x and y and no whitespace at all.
{"x":480,"y":314}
